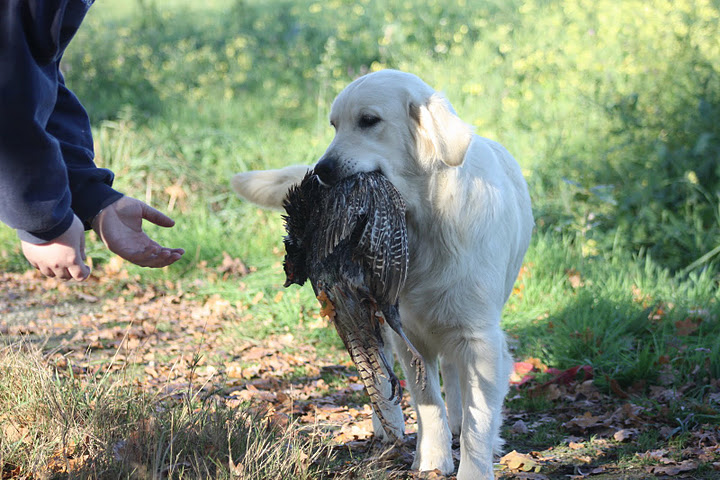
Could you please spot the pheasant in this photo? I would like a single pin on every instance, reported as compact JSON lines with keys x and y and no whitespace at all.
{"x":350,"y":240}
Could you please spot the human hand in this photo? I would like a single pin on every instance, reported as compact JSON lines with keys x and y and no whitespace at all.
{"x":119,"y":225}
{"x":62,"y":257}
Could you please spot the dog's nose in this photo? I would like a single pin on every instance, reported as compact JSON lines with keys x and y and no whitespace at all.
{"x":326,"y":170}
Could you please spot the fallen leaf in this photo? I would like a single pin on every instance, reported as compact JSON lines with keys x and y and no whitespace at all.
{"x":625,"y":434}
{"x":233,"y":266}
{"x":686,"y":327}
{"x":656,"y":455}
{"x":570,"y":375}
{"x":574,"y":278}
{"x":14,"y":433}
{"x":537,"y":363}
{"x":520,"y":373}
{"x":520,"y":462}
{"x":616,"y":389}
{"x":519,"y":427}
{"x":586,"y":421}
{"x":672,"y":470}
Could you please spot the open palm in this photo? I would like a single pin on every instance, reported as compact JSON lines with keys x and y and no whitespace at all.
{"x":120,"y":228}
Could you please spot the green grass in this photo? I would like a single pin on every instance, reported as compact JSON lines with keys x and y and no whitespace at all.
{"x":612,"y":110}
{"x":610,"y":318}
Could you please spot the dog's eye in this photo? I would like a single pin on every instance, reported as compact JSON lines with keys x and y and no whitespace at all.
{"x":367,"y":121}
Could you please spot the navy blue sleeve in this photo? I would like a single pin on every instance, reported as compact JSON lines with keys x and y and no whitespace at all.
{"x":90,"y":185}
{"x":46,"y":169}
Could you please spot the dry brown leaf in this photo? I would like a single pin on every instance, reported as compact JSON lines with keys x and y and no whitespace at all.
{"x":520,"y":462}
{"x":625,"y":434}
{"x":673,"y":469}
{"x":586,"y":421}
{"x":232,"y":266}
{"x":575,"y":279}
{"x":686,"y":327}
{"x":656,"y":455}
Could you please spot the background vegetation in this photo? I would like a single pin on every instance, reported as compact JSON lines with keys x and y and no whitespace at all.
{"x":611,"y":108}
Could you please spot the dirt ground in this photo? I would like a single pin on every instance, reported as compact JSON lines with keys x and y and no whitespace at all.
{"x":558,"y":424}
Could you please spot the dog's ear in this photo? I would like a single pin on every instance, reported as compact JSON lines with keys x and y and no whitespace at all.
{"x":440,"y":133}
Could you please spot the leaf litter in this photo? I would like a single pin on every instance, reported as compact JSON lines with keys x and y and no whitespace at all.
{"x":164,"y":340}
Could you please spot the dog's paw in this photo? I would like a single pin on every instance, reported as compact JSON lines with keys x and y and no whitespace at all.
{"x":437,"y":459}
{"x":475,"y":471}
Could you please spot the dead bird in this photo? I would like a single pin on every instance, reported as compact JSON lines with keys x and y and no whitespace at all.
{"x":350,"y":240}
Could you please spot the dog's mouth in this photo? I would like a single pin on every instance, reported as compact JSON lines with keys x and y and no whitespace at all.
{"x":321,"y":182}
{"x":330,"y":180}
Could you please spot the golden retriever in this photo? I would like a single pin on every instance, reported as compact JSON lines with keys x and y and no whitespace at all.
{"x":469,"y":224}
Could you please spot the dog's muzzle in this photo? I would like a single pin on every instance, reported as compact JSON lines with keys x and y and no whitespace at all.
{"x":326,"y":170}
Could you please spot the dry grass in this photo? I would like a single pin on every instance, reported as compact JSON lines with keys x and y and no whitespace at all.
{"x":57,"y":424}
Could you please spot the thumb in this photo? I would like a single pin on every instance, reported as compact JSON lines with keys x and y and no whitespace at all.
{"x":83,"y":255}
{"x":156,"y":216}
{"x":80,"y":270}
{"x":85,"y":267}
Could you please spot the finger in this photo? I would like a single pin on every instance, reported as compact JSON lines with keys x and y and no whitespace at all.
{"x":165,"y":261}
{"x":79,"y":272}
{"x":82,"y":249}
{"x":162,"y":259}
{"x":47,"y":271}
{"x":63,"y":273}
{"x":145,"y":256}
{"x":174,"y":257}
{"x":156,"y":216}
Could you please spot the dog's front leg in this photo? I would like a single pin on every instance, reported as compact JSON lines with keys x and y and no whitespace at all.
{"x":451,"y":388}
{"x":484,"y":383}
{"x":434,"y":440}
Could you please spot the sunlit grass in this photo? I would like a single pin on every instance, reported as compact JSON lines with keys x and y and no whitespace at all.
{"x":611,"y":109}
{"x":56,"y":425}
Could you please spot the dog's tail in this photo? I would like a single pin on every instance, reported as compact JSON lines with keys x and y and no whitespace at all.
{"x":268,"y":188}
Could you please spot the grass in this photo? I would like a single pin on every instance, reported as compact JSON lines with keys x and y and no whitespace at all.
{"x":613,"y":120}
{"x":56,"y":426}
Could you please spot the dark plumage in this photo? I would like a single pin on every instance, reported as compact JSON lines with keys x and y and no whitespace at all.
{"x":350,"y":240}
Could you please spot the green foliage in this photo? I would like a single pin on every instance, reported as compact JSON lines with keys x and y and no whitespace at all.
{"x":629,"y":319}
{"x":612,"y":109}
{"x":635,"y":91}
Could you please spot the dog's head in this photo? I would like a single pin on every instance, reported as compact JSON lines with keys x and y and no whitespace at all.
{"x":395,"y":123}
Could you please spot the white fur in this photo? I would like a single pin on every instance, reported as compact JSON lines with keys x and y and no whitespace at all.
{"x":469,"y":222}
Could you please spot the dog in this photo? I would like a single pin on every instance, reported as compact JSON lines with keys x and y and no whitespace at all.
{"x":469,"y":224}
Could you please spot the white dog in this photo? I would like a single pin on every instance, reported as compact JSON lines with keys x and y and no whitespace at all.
{"x":469,"y":221}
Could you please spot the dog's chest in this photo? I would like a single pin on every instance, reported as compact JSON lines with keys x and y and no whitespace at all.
{"x":436,"y":287}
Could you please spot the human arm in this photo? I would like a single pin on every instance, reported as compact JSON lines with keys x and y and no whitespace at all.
{"x":35,"y":196}
{"x":49,"y":185}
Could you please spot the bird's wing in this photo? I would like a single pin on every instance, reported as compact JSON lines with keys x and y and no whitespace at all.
{"x":346,"y":206}
{"x":368,"y":204}
{"x":383,"y":243}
